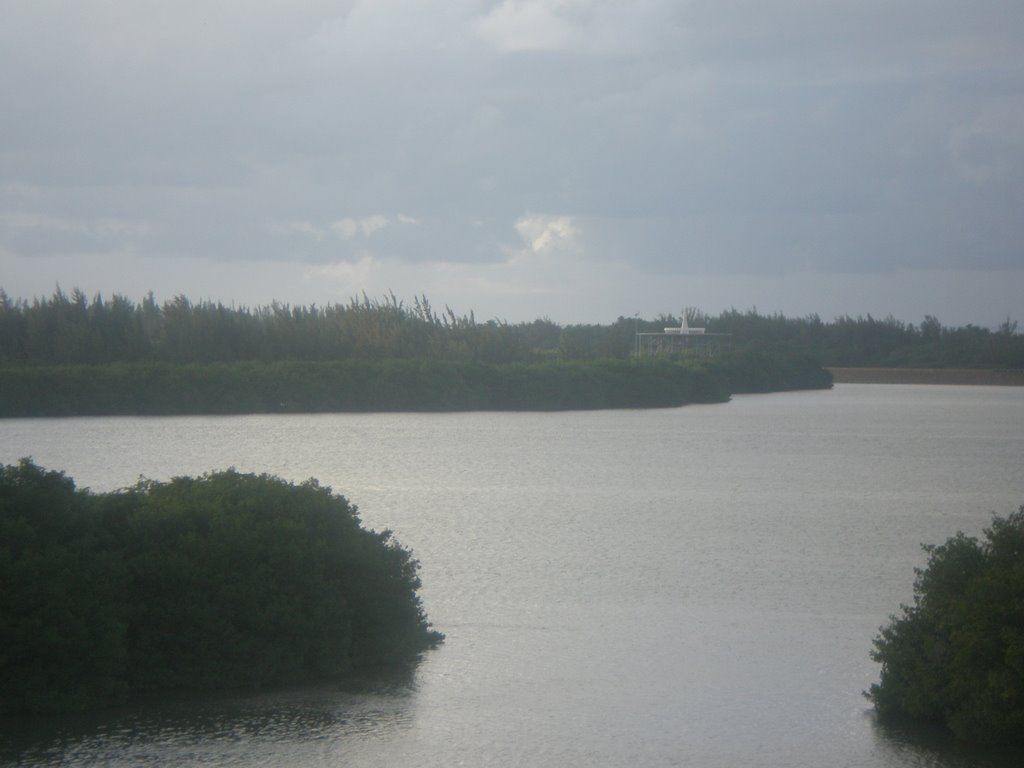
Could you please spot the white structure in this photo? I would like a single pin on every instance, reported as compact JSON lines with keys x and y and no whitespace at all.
{"x":685,"y":329}
{"x":683,"y":339}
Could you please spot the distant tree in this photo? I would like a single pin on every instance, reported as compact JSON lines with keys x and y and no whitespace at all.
{"x":63,"y":329}
{"x":1008,"y":327}
{"x":931,"y":328}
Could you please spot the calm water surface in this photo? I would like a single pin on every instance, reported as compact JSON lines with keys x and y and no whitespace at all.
{"x":693,"y":587}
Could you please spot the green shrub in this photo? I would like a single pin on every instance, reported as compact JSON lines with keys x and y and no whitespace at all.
{"x":223,"y":581}
{"x":956,"y":656}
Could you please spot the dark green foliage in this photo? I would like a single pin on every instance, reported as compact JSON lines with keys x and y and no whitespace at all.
{"x":222,"y":581}
{"x":753,"y":371}
{"x":67,"y":356}
{"x":956,"y":656}
{"x":62,"y":601}
{"x":71,"y":330}
{"x":365,"y":385}
{"x":870,"y":342}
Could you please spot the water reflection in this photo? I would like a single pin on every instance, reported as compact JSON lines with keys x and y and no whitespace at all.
{"x":911,"y":745}
{"x":306,"y":726}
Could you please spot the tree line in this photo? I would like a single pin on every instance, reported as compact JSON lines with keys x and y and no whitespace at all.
{"x":222,"y":581}
{"x":72,"y":329}
{"x":298,"y":386}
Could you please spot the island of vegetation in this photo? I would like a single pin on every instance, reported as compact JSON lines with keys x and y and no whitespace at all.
{"x":66,"y":355}
{"x":70,"y":355}
{"x":225,"y":581}
{"x":956,"y":656}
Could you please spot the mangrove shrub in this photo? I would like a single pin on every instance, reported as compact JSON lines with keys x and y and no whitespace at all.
{"x":956,"y":656}
{"x":223,"y":581}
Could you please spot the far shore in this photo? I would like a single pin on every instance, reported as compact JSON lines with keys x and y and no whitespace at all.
{"x":1012,"y":377}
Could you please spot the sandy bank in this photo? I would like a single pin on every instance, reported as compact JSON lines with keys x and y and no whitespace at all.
{"x":989,"y":377}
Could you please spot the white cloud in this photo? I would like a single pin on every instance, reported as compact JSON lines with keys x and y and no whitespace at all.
{"x":593,"y":26}
{"x":348,"y":227}
{"x":545,"y":233}
{"x":371,"y":224}
{"x":297,"y":227}
{"x":525,"y":25}
{"x":345,"y":279}
{"x":345,"y":228}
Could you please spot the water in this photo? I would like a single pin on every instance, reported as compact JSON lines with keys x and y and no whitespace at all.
{"x":694,"y":586}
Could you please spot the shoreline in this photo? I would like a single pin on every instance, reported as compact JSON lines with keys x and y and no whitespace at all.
{"x":1009,"y":377}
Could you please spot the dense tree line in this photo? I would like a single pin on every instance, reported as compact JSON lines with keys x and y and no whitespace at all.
{"x":222,"y":581}
{"x":68,"y":329}
{"x":349,"y":386}
{"x":873,"y":342}
{"x":955,"y":657}
{"x":72,"y":329}
{"x":392,"y":385}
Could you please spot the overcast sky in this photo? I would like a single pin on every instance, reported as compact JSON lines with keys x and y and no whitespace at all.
{"x":574,"y":159}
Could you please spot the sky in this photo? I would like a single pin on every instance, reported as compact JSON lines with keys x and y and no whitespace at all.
{"x":579,"y":160}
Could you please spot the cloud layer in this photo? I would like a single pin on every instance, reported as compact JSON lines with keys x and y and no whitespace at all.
{"x":566,"y":150}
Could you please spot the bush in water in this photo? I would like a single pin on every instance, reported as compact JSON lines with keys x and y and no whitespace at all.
{"x":956,"y":656}
{"x":223,"y":581}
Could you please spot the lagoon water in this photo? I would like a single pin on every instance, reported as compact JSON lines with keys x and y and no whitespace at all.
{"x":694,"y":587}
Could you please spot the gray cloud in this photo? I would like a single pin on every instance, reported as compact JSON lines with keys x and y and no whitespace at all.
{"x":707,"y":138}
